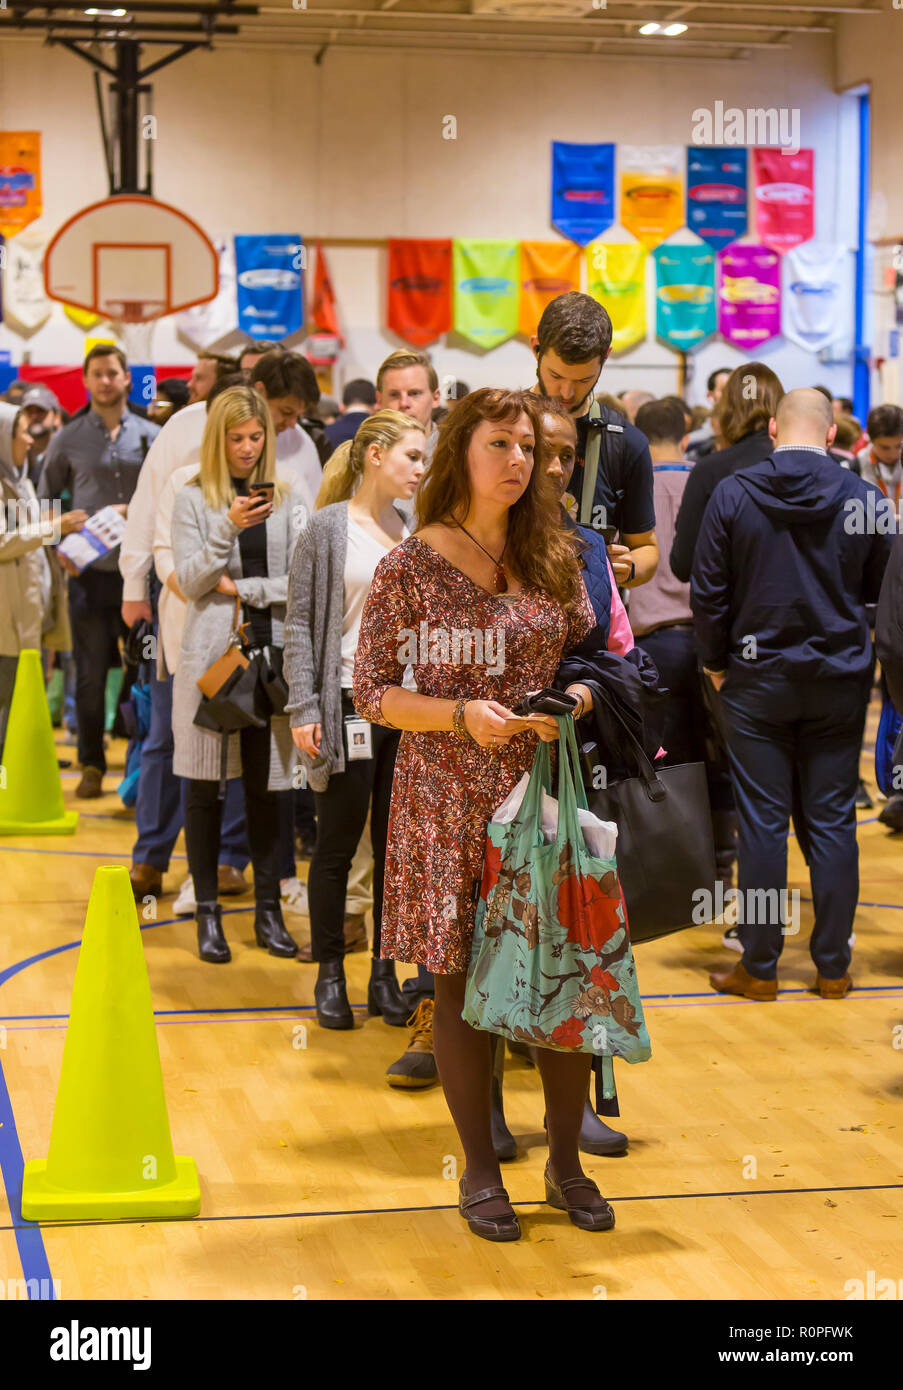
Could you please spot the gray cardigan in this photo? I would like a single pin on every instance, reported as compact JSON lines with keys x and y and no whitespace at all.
{"x":313,"y":638}
{"x":205,"y":547}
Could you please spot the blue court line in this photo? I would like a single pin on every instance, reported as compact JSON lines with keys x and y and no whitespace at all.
{"x":453,"y":1206}
{"x":76,"y":853}
{"x":29,"y":1240}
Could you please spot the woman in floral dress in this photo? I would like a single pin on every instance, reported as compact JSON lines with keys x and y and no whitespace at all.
{"x":483,"y":602}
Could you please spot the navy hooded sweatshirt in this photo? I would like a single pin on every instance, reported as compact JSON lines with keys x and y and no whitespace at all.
{"x":789,"y":553}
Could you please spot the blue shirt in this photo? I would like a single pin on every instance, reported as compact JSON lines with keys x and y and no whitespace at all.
{"x":96,"y":470}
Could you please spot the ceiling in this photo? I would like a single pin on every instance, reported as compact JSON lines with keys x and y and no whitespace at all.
{"x":715,"y":29}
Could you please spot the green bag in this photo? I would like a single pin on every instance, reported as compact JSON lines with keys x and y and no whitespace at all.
{"x":551,"y":962}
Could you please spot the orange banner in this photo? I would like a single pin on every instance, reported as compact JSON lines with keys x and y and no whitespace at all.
{"x":547,"y":269}
{"x":20,"y":179}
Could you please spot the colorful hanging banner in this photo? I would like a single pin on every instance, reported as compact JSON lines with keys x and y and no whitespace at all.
{"x":25,"y":303}
{"x":785,"y":197}
{"x":651,"y":184}
{"x":323,"y":314}
{"x":819,"y":295}
{"x":616,"y":279}
{"x":20,"y":180}
{"x":486,"y":290}
{"x":206,"y":324}
{"x":716,"y":193}
{"x":419,"y":307}
{"x":547,"y":269}
{"x":270,"y":285}
{"x":749,"y":296}
{"x":684,"y":295}
{"x":583,"y":190}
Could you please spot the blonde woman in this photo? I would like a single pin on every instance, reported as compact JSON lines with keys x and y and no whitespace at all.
{"x":349,"y":761}
{"x":228,"y":542}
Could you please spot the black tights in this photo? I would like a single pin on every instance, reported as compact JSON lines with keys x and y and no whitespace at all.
{"x":204,"y":814}
{"x":464,"y":1062}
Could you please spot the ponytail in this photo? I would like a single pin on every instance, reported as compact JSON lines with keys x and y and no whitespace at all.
{"x":340,"y":477}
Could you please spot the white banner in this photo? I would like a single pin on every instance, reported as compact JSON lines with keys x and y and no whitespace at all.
{"x":205,"y":325}
{"x":25,"y":305}
{"x":818,"y":292}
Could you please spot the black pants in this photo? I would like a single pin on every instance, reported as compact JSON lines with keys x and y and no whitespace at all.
{"x":95,"y":603}
{"x":341,"y":816}
{"x":782,"y":733}
{"x":203,"y":818}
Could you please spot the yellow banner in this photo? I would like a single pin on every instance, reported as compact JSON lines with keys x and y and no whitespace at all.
{"x":82,"y":318}
{"x":547,"y":269}
{"x":616,"y":279}
{"x":652,"y":198}
{"x":20,"y":180}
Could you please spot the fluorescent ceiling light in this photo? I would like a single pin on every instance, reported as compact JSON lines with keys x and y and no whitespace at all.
{"x":672,"y":29}
{"x":652,"y":28}
{"x":116,"y":14}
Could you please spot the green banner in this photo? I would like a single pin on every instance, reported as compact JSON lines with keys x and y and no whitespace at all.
{"x":487,"y":290}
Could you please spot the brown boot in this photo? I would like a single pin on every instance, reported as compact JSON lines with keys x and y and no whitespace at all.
{"x":739,"y":981}
{"x":355,"y":938}
{"x":833,"y":989}
{"x":145,"y":880}
{"x":91,"y":784}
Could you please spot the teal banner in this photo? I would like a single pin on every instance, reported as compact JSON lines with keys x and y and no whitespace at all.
{"x":685,"y":307}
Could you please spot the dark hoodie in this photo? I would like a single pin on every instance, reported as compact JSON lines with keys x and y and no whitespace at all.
{"x":790,"y":552}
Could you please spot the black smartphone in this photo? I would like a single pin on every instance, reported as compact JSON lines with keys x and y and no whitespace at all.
{"x":262,"y":491}
{"x":546,"y":702}
{"x":609,"y":533}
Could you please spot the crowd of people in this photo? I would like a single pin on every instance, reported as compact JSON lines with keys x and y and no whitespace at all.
{"x":283,"y":552}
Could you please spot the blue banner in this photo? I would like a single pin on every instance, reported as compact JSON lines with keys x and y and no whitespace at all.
{"x":716,"y":193}
{"x":583,"y":190}
{"x":270,"y":284}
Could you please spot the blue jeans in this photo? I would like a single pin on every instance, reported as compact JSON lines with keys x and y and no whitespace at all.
{"x":160,"y":808}
{"x":777,"y":730}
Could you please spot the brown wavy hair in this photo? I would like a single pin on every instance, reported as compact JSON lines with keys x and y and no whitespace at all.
{"x":541,"y":550}
{"x":742,"y":410}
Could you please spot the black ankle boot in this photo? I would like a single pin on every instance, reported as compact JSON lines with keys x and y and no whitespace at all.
{"x":270,"y":931}
{"x":331,"y":996}
{"x":596,"y":1137}
{"x":212,"y":945}
{"x":384,"y":995}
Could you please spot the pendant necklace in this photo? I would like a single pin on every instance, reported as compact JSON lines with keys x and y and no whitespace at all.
{"x":501,"y":583}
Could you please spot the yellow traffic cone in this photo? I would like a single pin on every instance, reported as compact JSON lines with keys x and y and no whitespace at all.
{"x":31,"y":794}
{"x":110,"y":1146}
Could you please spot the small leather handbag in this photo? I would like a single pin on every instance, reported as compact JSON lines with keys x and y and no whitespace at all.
{"x":233,"y":658}
{"x":232,"y":690}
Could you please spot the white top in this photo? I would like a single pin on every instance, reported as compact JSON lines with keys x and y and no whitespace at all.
{"x":178,"y":444}
{"x":363,"y":555}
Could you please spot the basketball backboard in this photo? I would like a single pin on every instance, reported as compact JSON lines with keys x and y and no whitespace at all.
{"x":131,"y":259}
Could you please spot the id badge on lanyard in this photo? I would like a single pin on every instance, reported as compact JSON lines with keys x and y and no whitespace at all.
{"x":358,"y":738}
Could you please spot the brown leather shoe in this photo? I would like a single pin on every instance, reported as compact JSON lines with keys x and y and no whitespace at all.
{"x":145,"y":880}
{"x":91,"y":784}
{"x":833,"y":989}
{"x":355,"y":938}
{"x":739,"y":981}
{"x":230,"y":881}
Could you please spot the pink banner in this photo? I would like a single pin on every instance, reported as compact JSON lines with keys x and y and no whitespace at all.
{"x":785,"y":197}
{"x":749,"y":295}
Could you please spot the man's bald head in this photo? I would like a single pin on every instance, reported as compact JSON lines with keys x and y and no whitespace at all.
{"x":803,"y":416}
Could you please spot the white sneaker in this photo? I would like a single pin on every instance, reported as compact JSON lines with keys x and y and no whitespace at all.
{"x":185,"y":904}
{"x":731,"y":939}
{"x":293,"y":896}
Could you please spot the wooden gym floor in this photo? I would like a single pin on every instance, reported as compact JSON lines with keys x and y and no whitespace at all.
{"x":766,"y":1141}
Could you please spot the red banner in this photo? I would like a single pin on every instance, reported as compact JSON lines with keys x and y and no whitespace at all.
{"x":323,"y":309}
{"x":419,"y":298}
{"x":785,"y":197}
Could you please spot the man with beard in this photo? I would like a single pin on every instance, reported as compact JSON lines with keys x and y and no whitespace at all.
{"x":611,"y":485}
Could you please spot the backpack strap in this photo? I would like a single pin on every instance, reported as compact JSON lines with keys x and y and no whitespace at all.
{"x":610,"y":435}
{"x":591,"y":466}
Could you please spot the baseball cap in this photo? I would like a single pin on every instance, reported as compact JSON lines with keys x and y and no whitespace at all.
{"x":40,"y":396}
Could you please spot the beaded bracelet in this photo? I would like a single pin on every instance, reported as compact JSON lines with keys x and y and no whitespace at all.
{"x":458,"y":723}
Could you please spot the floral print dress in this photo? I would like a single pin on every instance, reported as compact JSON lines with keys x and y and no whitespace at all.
{"x":462,"y":642}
